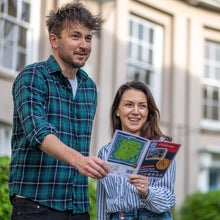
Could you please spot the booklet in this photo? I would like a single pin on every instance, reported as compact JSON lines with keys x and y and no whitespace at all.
{"x":131,"y":154}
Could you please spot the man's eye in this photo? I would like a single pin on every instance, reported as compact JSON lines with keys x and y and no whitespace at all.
{"x":75,"y":36}
{"x":88,"y":39}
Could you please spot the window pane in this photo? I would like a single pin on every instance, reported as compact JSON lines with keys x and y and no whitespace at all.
{"x":204,"y":92}
{"x":131,"y":27}
{"x":7,"y":56}
{"x":217,"y":73}
{"x":215,"y":113}
{"x":213,"y":180}
{"x":205,"y":111}
{"x":150,"y":57}
{"x":205,"y":95}
{"x":151,"y":36}
{"x":135,"y":30}
{"x":207,"y":71}
{"x":129,"y":49}
{"x":2,"y":6}
{"x":139,"y":52}
{"x":134,"y":51}
{"x":12,"y":8}
{"x":22,"y":37}
{"x":218,"y":54}
{"x":140,"y":32}
{"x":147,"y":77}
{"x":207,"y":53}
{"x":136,"y":76}
{"x":20,"y":61}
{"x":25,"y":12}
{"x":215,"y":94}
{"x":1,"y":28}
{"x":146,"y":34}
{"x":9,"y":31}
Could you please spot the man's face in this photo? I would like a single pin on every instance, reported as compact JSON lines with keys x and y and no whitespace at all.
{"x":74,"y":46}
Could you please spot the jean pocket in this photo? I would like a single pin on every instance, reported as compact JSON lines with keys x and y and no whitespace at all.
{"x":26,"y":207}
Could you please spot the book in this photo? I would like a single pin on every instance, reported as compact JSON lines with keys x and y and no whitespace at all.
{"x":131,"y":154}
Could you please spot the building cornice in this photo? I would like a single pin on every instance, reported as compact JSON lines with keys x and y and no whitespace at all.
{"x":211,"y":5}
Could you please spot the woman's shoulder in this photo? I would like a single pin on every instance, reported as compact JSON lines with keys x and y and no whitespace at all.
{"x":104,"y":150}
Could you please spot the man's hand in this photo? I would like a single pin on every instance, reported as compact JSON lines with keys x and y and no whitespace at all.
{"x":92,"y":167}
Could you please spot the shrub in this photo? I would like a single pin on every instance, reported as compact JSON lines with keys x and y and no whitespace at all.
{"x":201,"y":206}
{"x":92,"y":198}
{"x":5,"y":205}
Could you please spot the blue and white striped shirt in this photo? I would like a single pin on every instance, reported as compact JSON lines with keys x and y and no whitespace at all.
{"x":114,"y":193}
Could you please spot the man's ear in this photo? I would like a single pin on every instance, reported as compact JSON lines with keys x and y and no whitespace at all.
{"x":53,"y":40}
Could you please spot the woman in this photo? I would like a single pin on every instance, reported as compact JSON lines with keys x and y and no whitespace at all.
{"x":137,"y":197}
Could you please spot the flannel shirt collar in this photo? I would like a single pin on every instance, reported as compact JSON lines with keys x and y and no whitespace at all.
{"x":54,"y":67}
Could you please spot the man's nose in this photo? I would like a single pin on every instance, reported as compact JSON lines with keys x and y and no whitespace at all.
{"x":83,"y":43}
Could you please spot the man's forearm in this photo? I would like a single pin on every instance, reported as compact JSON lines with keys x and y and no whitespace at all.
{"x":88,"y":166}
{"x":52,"y":146}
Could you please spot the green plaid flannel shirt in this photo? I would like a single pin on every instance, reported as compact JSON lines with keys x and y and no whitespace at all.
{"x":44,"y":104}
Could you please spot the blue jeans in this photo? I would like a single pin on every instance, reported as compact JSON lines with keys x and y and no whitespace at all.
{"x":25,"y":209}
{"x":140,"y":214}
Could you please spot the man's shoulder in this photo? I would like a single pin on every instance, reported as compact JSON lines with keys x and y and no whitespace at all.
{"x":50,"y":64}
{"x":81,"y":74}
{"x":40,"y":69}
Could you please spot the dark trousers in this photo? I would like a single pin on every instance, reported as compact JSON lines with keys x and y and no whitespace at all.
{"x":25,"y":209}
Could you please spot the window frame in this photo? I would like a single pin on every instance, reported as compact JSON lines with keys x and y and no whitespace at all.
{"x":210,"y":82}
{"x":32,"y":35}
{"x":155,"y":69}
{"x":5,"y":139}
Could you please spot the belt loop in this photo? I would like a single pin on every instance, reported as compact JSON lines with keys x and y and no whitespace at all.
{"x":136,"y":214}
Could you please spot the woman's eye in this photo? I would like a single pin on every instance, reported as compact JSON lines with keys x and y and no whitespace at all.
{"x":143,"y":106}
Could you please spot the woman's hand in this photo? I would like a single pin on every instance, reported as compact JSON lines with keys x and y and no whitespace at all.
{"x":141,"y":183}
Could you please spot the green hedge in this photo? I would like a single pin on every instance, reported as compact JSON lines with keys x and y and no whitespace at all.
{"x":201,"y":206}
{"x":92,"y":198}
{"x":5,"y":205}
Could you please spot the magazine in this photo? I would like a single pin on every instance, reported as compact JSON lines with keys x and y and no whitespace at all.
{"x":131,"y":154}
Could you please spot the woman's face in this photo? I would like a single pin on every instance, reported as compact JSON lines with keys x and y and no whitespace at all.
{"x":133,"y":111}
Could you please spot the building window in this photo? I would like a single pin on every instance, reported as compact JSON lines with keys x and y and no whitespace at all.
{"x":5,"y":140}
{"x":16,"y":34}
{"x":209,"y":174}
{"x":145,"y":49}
{"x":211,"y":85}
{"x":214,"y":179}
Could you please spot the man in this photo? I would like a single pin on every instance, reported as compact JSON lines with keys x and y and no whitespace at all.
{"x":54,"y":106}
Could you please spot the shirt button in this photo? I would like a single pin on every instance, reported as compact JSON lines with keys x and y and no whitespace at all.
{"x":122,"y":197}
